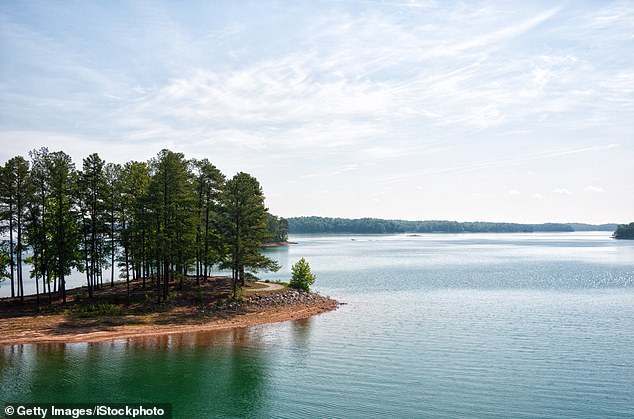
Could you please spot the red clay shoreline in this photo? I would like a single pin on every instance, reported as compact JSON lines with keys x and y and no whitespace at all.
{"x":278,"y":244}
{"x":25,"y":334}
{"x":260,"y":306}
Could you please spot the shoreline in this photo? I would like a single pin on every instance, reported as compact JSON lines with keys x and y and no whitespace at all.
{"x":204,"y":307}
{"x":277,"y":244}
{"x":24,"y":333}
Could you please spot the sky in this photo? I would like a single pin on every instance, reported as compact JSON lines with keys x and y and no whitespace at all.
{"x":471,"y":111}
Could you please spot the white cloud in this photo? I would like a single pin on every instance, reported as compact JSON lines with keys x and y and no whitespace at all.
{"x":562,"y":191}
{"x":595,"y":189}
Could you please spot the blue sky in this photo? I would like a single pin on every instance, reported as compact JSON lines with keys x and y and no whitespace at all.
{"x":497,"y":111}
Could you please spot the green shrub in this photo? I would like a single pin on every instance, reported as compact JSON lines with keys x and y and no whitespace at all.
{"x":302,"y":278}
{"x":239,"y":295}
{"x":98,"y":309}
{"x":80,"y":295}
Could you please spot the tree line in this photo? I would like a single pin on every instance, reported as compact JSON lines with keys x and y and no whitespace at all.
{"x":157,"y":221}
{"x":300,"y":225}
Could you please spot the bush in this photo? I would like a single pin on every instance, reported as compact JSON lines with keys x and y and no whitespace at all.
{"x":302,"y":278}
{"x":98,"y":310}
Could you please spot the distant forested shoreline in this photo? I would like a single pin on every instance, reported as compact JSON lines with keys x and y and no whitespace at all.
{"x":302,"y":225}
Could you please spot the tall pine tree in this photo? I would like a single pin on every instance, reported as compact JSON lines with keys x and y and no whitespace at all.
{"x":208,"y":184}
{"x":245,"y":228}
{"x":14,"y":198}
{"x":62,"y":219}
{"x":170,"y":201}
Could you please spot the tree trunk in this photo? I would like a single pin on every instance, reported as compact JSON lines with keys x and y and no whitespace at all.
{"x":86,"y":260}
{"x":37,"y":283}
{"x":145,"y":266}
{"x":234,"y":277}
{"x":19,"y":258}
{"x":166,"y":269}
{"x":62,"y":285}
{"x":198,"y":258}
{"x":206,"y":255}
{"x":112,"y":249}
{"x":48,"y":282}
{"x":11,"y":250}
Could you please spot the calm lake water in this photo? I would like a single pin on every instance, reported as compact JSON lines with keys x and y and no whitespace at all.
{"x":481,"y":325}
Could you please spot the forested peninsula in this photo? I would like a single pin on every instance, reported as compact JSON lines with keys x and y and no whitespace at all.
{"x":145,"y":235}
{"x":300,"y":225}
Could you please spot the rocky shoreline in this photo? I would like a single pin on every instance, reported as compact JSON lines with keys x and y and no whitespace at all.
{"x":260,"y":301}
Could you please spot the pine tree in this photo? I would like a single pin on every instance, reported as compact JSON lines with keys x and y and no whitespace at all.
{"x":302,"y":278}
{"x":14,"y":197}
{"x":245,"y":227}
{"x":61,"y":220}
{"x":92,"y":196}
{"x":112,"y":203}
{"x":132,"y":185}
{"x":36,"y":228}
{"x":171,"y":205}
{"x":208,"y":184}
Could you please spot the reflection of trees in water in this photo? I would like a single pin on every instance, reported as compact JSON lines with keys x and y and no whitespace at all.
{"x":198,"y":376}
{"x":46,"y":372}
{"x":219,"y":373}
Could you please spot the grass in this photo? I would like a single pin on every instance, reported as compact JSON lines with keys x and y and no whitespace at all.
{"x":97,"y":310}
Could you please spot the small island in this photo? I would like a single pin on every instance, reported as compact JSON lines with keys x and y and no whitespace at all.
{"x":624,"y":232}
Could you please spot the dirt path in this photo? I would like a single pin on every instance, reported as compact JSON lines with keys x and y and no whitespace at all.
{"x":268,"y":286}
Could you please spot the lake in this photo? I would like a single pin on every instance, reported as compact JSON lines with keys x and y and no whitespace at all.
{"x":476,"y":325}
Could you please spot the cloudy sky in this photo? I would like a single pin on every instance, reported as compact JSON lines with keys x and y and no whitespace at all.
{"x":497,"y":111}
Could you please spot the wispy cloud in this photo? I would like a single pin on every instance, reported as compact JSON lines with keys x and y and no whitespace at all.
{"x":403,"y":92}
{"x":500,"y":35}
{"x":504,"y":161}
{"x":594,"y":189}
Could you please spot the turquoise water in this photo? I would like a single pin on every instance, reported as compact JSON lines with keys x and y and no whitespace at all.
{"x":512,"y":325}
